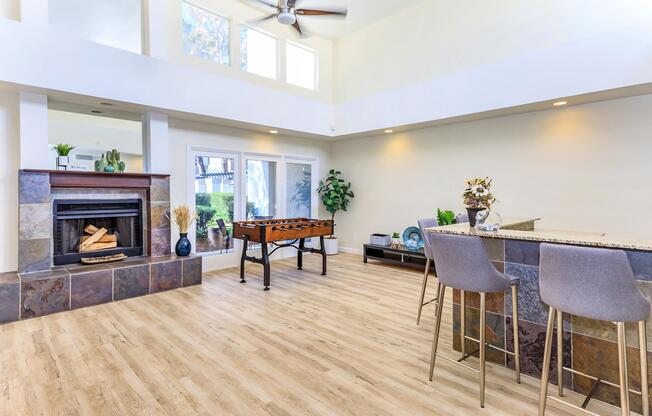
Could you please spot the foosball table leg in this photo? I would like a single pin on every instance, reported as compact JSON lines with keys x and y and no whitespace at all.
{"x":302,"y":244}
{"x":245,"y":242}
{"x":323,"y":255}
{"x":266,"y":266}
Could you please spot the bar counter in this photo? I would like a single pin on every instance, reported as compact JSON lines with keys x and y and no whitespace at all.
{"x":589,"y":346}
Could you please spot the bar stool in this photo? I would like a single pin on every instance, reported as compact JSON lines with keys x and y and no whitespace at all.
{"x":427,"y":250}
{"x":462,"y":263}
{"x":593,"y":283}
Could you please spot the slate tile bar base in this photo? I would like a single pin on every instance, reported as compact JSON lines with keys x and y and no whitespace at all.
{"x":589,"y":346}
{"x":29,"y":295}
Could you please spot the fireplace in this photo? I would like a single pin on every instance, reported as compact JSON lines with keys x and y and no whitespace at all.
{"x":76,"y":221}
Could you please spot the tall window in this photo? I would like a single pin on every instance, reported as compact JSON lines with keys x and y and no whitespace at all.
{"x":205,"y":34}
{"x":215,"y":203}
{"x":261,"y":189}
{"x":298,"y":180}
{"x":301,"y":64}
{"x":257,"y":52}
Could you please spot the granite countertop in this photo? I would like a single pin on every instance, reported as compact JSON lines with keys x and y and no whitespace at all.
{"x":512,"y":230}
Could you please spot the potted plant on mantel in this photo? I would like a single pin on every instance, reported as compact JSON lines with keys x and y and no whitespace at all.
{"x":335,"y":194}
{"x":477,"y":197}
{"x":63,"y":155}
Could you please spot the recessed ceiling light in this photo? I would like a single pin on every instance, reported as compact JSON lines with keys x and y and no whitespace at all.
{"x":103,"y":103}
{"x":389,"y":131}
{"x":96,"y":111}
{"x":273,"y":131}
{"x":560,"y":103}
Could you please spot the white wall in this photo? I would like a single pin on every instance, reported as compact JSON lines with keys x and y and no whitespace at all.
{"x":436,"y":38}
{"x":584,"y":167}
{"x":9,"y":161}
{"x":184,"y":134}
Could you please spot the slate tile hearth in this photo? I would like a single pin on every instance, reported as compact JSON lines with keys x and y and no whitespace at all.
{"x":130,"y":282}
{"x":91,"y":288}
{"x":165,"y":275}
{"x":43,"y":293}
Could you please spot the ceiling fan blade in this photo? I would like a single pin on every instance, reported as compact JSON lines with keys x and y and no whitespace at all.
{"x":267,"y":3}
{"x":311,"y":12}
{"x":297,"y":27}
{"x":262,"y":19}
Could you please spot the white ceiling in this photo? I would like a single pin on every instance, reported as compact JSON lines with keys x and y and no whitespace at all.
{"x":360,"y":14}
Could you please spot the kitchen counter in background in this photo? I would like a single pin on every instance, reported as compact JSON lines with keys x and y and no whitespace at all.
{"x":589,"y":346}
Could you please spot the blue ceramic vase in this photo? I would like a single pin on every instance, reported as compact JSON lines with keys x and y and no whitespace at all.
{"x":183,"y":247}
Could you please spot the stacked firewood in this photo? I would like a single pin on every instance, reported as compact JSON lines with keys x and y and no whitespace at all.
{"x":97,"y":239}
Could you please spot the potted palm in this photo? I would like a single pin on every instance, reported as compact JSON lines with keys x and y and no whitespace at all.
{"x":63,"y":155}
{"x":335,"y":194}
{"x":477,"y":197}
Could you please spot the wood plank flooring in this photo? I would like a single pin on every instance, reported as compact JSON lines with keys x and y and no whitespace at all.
{"x":342,"y":344}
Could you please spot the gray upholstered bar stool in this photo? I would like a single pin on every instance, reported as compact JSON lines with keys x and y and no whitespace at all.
{"x":593,"y":283}
{"x":427,"y":251}
{"x":462,"y":263}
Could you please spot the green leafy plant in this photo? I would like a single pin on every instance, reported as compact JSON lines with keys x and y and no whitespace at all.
{"x":335,"y":193}
{"x":445,"y":217}
{"x":396,"y":235}
{"x":205,"y":213}
{"x":63,"y":149}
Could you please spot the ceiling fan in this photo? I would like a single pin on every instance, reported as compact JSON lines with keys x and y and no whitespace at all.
{"x":287,"y":13}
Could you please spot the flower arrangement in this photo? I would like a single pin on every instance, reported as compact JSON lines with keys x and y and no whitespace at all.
{"x":478,"y":193}
{"x":183,"y":217}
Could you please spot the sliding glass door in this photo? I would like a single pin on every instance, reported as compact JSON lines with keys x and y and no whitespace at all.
{"x":215,"y":200}
{"x":261,"y":177}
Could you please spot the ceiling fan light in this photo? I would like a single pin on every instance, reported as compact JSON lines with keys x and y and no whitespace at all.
{"x":286,"y":17}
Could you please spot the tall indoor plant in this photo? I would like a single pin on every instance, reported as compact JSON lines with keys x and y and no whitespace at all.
{"x":335,"y":194}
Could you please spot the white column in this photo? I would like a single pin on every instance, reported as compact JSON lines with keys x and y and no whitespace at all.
{"x":34,"y":11}
{"x":155,"y":23}
{"x":156,"y":143}
{"x":34,"y":146}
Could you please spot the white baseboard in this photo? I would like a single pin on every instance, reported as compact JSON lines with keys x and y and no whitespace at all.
{"x":350,"y":250}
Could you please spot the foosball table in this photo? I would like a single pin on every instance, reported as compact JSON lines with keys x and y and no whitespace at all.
{"x":280,"y":233}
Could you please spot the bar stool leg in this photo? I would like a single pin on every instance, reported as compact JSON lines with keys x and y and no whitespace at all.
{"x":423,"y":289}
{"x":463,"y":321}
{"x":560,"y":353}
{"x":517,"y":344}
{"x":642,"y":345}
{"x":622,"y":367}
{"x":483,"y":313}
{"x":545,"y":373}
{"x":435,"y":338}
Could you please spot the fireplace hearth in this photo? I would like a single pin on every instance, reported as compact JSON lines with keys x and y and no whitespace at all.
{"x":120,"y":220}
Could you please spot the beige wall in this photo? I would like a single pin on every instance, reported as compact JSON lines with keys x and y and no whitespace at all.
{"x":436,"y":38}
{"x":9,"y":159}
{"x":584,"y":167}
{"x":10,"y":9}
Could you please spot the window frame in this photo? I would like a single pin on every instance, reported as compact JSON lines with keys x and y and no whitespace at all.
{"x":240,"y":195}
{"x":315,"y":72}
{"x":277,"y":69}
{"x":229,"y":32}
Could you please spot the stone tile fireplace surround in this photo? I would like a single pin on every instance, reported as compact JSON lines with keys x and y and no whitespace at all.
{"x":38,"y":288}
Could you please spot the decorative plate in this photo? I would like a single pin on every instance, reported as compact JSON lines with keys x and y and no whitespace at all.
{"x":412,"y":238}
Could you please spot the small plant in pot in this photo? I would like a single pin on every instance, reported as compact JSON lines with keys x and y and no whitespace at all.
{"x":477,"y":197}
{"x":183,"y":217}
{"x":445,"y":217}
{"x":396,"y":240}
{"x":335,"y":194}
{"x":63,"y":155}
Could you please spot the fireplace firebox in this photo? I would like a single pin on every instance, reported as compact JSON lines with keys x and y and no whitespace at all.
{"x":76,"y":221}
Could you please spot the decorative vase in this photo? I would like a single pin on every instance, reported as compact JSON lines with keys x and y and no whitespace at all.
{"x":109,"y":169}
{"x":183,"y":247}
{"x":331,"y":246}
{"x":473,"y":212}
{"x":396,"y":243}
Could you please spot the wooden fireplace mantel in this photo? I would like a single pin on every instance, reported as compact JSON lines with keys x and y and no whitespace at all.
{"x":87,"y":179}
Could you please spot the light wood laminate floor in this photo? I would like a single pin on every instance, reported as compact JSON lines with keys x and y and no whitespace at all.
{"x":342,"y":344}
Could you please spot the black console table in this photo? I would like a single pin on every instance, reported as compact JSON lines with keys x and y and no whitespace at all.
{"x":401,"y":256}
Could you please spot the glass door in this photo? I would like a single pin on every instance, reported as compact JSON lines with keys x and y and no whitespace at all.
{"x":261,"y":176}
{"x":215,"y":196}
{"x":298,"y":189}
